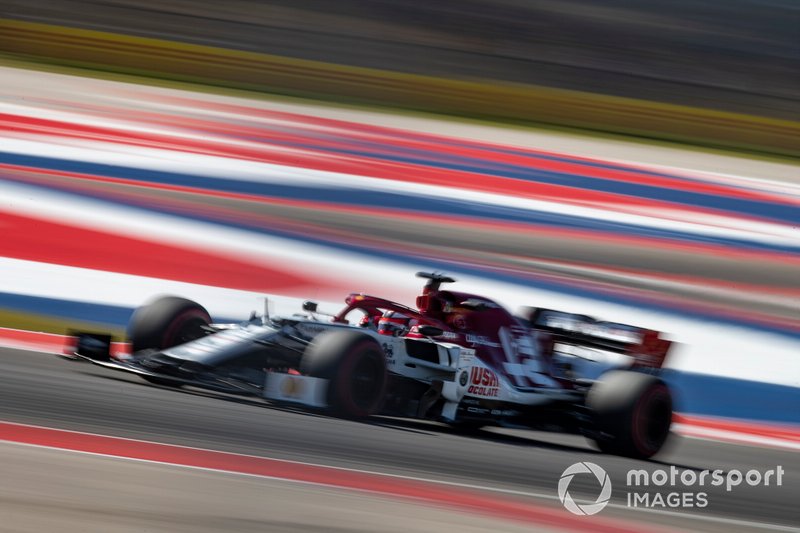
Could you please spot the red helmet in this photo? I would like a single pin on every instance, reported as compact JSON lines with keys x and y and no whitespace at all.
{"x":393,"y":323}
{"x":369,"y":321}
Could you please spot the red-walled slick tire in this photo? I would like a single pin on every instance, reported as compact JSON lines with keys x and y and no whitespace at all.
{"x":355,"y":365}
{"x":632,"y":413}
{"x":166,"y":322}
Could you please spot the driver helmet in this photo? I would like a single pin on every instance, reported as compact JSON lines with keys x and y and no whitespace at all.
{"x":393,"y":323}
{"x":369,"y":321}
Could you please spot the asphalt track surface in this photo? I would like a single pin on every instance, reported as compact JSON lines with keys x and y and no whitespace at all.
{"x":197,"y":501}
{"x":44,"y":390}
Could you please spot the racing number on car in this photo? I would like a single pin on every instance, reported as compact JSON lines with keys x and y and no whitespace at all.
{"x":522,"y":358}
{"x":388,"y":351}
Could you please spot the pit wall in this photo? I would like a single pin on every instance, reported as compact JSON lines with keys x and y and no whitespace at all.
{"x":484,"y":100}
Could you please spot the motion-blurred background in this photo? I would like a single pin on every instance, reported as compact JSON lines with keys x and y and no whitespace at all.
{"x":558,"y":186}
{"x":739,"y":58}
{"x":636,"y":161}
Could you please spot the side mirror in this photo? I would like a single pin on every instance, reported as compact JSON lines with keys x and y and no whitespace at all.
{"x":430,"y":331}
{"x":310,"y":306}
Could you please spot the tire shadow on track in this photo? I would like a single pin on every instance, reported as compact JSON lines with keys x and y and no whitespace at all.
{"x":486,"y":435}
{"x":432,"y":427}
{"x":252,"y":401}
{"x":407,"y":425}
{"x":422,"y":427}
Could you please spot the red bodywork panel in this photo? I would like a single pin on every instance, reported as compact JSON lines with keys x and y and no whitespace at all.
{"x":503,"y":341}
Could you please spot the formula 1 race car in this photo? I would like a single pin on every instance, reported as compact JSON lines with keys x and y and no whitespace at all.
{"x":457,"y":358}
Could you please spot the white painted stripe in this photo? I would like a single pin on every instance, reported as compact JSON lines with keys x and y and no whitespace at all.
{"x":58,"y":92}
{"x":745,"y":182}
{"x":83,"y":285}
{"x":250,"y":246}
{"x":664,"y":283}
{"x":222,"y":168}
{"x":703,"y":347}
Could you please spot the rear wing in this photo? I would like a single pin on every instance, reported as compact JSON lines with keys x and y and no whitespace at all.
{"x":646,"y":346}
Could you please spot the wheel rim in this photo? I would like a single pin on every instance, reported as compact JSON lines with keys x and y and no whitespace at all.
{"x":185,"y":328}
{"x":191,"y":330}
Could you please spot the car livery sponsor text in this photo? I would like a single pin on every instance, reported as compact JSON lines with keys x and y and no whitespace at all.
{"x":483,"y":382}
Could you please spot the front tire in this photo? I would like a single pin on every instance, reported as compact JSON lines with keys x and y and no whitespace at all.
{"x":166,"y":322}
{"x":354,"y":365}
{"x":632,"y":413}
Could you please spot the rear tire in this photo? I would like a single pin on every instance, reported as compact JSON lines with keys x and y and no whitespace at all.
{"x":167,"y":322}
{"x":355,"y":366}
{"x":632,"y":413}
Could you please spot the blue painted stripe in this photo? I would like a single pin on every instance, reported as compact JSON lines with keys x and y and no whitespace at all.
{"x":561,"y":158}
{"x":527,"y":279}
{"x":574,"y":288}
{"x":767,"y":210}
{"x":79,"y":311}
{"x":778,"y":212}
{"x":701,"y":394}
{"x":71,"y":310}
{"x":390,"y":200}
{"x":436,"y":142}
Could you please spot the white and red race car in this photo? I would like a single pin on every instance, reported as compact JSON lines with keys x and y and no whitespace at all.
{"x":457,"y":358}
